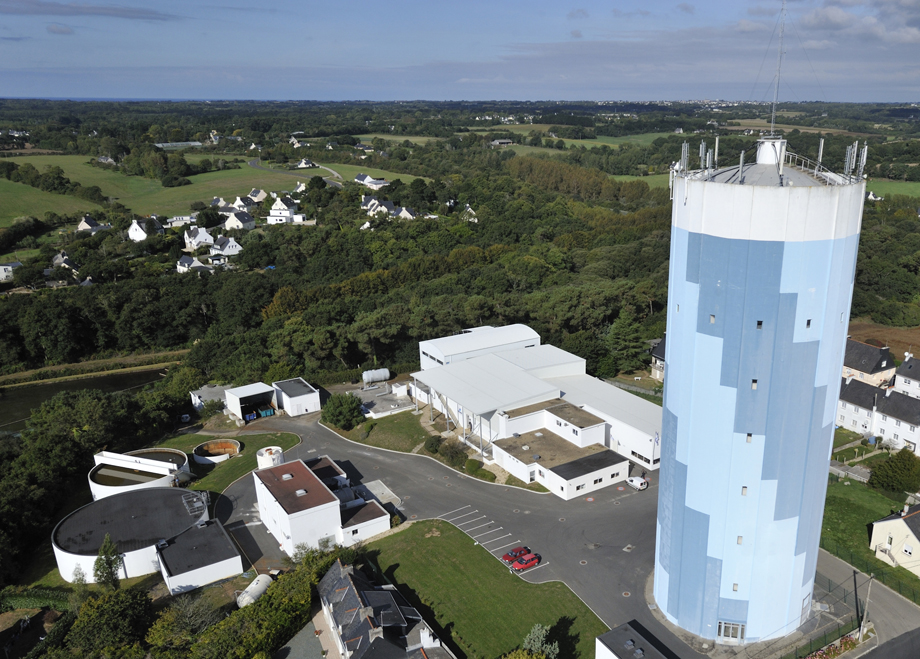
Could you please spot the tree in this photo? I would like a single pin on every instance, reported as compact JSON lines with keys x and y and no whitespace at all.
{"x":899,"y":473}
{"x":115,"y":620}
{"x":79,"y":594}
{"x":624,"y":341}
{"x":108,"y":564}
{"x":343,"y":411}
{"x":181,"y":624}
{"x":535,"y":642}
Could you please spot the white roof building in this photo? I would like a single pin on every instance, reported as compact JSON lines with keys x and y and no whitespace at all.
{"x":474,"y":342}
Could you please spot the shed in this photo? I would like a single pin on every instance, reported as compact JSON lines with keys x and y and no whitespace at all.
{"x":251,"y":401}
{"x":296,"y":397}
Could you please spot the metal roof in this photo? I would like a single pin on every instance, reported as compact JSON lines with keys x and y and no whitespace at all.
{"x":541,"y":356}
{"x":197,"y":547}
{"x":482,"y":338}
{"x":250,"y":390}
{"x":612,"y":401}
{"x":295,"y":387}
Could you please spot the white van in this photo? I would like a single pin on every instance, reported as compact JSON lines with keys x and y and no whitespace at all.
{"x":637,"y":483}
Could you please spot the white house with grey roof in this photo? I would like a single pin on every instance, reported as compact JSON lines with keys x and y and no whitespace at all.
{"x":870,"y":364}
{"x":196,"y":237}
{"x":225,"y":246}
{"x":895,"y":539}
{"x":6,"y":270}
{"x":906,"y":379}
{"x":884,"y":413}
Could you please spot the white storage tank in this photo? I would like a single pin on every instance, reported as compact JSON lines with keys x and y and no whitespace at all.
{"x":376,"y":375}
{"x":270,"y":456}
{"x":254,"y":591}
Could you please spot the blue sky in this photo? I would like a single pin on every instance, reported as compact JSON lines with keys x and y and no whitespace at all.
{"x":837,"y":50}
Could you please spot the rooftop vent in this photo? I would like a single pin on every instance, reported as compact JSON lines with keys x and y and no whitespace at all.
{"x":630,"y":643}
{"x":301,"y":493}
{"x":162,"y":544}
{"x":525,"y":447}
{"x":287,"y":477}
{"x":639,"y":653}
{"x":202,"y":524}
{"x":536,"y":457}
{"x":538,"y":434}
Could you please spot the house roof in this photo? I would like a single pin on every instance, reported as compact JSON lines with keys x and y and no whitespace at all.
{"x":295,"y":387}
{"x":361,"y":514}
{"x":886,"y":401}
{"x":545,"y":448}
{"x":253,"y":389}
{"x":562,"y":409}
{"x":197,"y":547}
{"x":589,"y":464}
{"x":482,"y":338}
{"x":867,"y":359}
{"x":658,"y":349}
{"x":605,"y":399}
{"x":302,"y":491}
{"x":906,"y":369}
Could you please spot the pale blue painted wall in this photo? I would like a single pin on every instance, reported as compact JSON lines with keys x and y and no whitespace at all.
{"x":710,"y":407}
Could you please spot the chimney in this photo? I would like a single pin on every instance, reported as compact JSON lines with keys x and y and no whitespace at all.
{"x":366,"y":612}
{"x":375,"y":633}
{"x":906,"y":508}
{"x":347,"y":569}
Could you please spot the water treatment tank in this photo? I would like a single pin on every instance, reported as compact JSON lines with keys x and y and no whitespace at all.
{"x":254,"y":591}
{"x":376,"y":375}
{"x":270,"y":456}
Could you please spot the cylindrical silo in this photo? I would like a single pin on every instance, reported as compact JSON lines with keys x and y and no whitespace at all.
{"x":270,"y":456}
{"x":761,"y":277}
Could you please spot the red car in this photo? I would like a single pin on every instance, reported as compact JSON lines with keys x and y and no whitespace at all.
{"x":525,"y":562}
{"x":515,"y":554}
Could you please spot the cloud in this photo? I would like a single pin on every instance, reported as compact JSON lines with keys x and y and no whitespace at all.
{"x":577,"y":13}
{"x":57,"y":28}
{"x":15,"y":38}
{"x":45,"y":8}
{"x":761,"y":11}
{"x":828,"y":18}
{"x":686,"y":7}
{"x":575,"y":34}
{"x":626,"y":14}
{"x":814,"y":44}
{"x":750,"y":26}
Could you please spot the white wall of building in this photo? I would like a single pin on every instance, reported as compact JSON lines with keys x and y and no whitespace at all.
{"x":361,"y":532}
{"x":100,"y":491}
{"x":565,"y":489}
{"x":305,"y":527}
{"x":885,"y":427}
{"x":630,"y":442}
{"x":907,"y":386}
{"x":134,"y":563}
{"x":297,"y":405}
{"x":193,"y":579}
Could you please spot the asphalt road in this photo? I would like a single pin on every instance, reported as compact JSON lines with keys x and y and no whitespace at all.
{"x":603,"y":549}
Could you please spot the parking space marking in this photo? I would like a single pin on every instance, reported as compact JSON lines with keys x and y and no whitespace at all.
{"x":451,"y":512}
{"x":531,"y":569}
{"x":471,"y":521}
{"x":453,"y":520}
{"x":505,"y":546}
{"x":486,"y":533}
{"x":488,"y":542}
{"x":467,"y":531}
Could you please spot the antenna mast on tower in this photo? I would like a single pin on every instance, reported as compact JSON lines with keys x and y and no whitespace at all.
{"x":779,"y":66}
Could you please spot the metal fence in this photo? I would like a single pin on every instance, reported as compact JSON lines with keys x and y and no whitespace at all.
{"x":826,"y":638}
{"x":910,"y":590}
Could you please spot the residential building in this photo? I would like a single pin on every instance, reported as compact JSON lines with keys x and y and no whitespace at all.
{"x":181,"y":220}
{"x":867,"y":363}
{"x":144,"y":229}
{"x":371,"y":182}
{"x":244,"y":204}
{"x":284,"y":211}
{"x":657,"y":353}
{"x":87,"y":223}
{"x":889,"y":415}
{"x":191,"y":264}
{"x":6,"y":270}
{"x":501,"y":143}
{"x":196,"y":237}
{"x":225,"y":246}
{"x":238,"y":220}
{"x":758,"y":301}
{"x":305,"y":163}
{"x":906,"y":379}
{"x":374,"y":621}
{"x":895,"y":538}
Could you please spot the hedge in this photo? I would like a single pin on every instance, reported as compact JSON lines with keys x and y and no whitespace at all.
{"x":15,"y":597}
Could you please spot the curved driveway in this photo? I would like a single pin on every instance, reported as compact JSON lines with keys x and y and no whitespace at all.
{"x":614,"y":535}
{"x":254,"y":163}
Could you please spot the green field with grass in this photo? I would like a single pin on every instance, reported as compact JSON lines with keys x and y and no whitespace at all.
{"x":217,"y":477}
{"x":20,"y":199}
{"x":642,"y":139}
{"x":475,"y":604}
{"x":654,"y":181}
{"x":399,"y":139}
{"x":843,"y":436}
{"x":349,"y":172}
{"x":398,"y":432}
{"x":884,"y":188}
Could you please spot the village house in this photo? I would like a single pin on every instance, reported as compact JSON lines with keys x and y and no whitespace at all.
{"x":238,"y":220}
{"x":197,"y":237}
{"x":143,"y":229}
{"x":225,"y":246}
{"x":889,"y":415}
{"x":867,"y":363}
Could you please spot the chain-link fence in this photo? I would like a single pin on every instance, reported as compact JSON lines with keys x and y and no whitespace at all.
{"x":826,"y":638}
{"x":905,"y":588}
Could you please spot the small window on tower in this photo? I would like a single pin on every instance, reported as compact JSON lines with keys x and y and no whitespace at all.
{"x":735,"y":587}
{"x":744,"y":490}
{"x":740,"y":538}
{"x":808,"y":324}
{"x":753,"y":384}
{"x":749,"y":437}
{"x":712,"y":319}
{"x":759,"y":324}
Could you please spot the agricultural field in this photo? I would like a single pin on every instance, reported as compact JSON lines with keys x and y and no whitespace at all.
{"x":146,"y":196}
{"x":474,"y":602}
{"x":399,"y":139}
{"x":643,"y":139}
{"x":349,"y":172}
{"x":20,"y":199}
{"x":884,"y":187}
{"x":760,"y":124}
{"x":898,"y":339}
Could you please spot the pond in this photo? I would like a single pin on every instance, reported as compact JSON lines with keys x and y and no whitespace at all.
{"x":16,"y":402}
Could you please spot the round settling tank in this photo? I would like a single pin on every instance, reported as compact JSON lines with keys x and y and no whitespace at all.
{"x":170,"y":455}
{"x":270,"y":456}
{"x":216,"y":450}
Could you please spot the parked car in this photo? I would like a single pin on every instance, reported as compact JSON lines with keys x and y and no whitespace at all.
{"x":637,"y":483}
{"x":525,"y":562}
{"x":515,"y":554}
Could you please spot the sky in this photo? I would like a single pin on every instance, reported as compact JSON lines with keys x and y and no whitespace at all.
{"x":835,"y":50}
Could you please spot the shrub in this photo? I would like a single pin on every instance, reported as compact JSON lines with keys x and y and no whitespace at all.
{"x":485,"y":475}
{"x":453,"y":453}
{"x":899,"y":473}
{"x":369,"y":426}
{"x":432,"y":444}
{"x":16,"y":597}
{"x":472,"y":466}
{"x":343,"y":411}
{"x":210,"y":408}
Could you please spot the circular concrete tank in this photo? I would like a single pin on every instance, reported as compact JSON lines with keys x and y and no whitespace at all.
{"x":170,"y":455}
{"x":216,"y":450}
{"x":270,"y":456}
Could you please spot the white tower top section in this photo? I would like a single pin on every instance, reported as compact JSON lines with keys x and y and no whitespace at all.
{"x":771,"y":151}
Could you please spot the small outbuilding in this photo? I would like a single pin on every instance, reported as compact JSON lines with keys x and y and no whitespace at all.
{"x":251,"y":401}
{"x":296,"y":397}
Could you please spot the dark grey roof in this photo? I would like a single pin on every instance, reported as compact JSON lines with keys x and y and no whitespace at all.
{"x":134,"y":520}
{"x":186,"y":261}
{"x":623,"y":641}
{"x":911,"y":519}
{"x":867,"y":359}
{"x":886,"y":401}
{"x":906,"y":369}
{"x":588,"y":464}
{"x":658,"y":350}
{"x":360,"y":514}
{"x":295,"y":387}
{"x":386,"y":610}
{"x":859,"y":393}
{"x":198,"y":547}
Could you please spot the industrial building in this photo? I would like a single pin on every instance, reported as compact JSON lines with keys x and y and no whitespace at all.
{"x":763,"y":256}
{"x":116,"y":473}
{"x":296,"y":397}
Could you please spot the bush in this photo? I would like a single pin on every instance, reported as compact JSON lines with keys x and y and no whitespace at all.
{"x":13,"y":597}
{"x":432,"y":444}
{"x":343,"y":411}
{"x":472,"y":466}
{"x":210,"y":408}
{"x":55,"y":637}
{"x":485,"y":475}
{"x":453,"y":453}
{"x":899,"y":473}
{"x":369,"y":426}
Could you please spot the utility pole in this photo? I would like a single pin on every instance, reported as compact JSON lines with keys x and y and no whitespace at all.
{"x":865,"y":615}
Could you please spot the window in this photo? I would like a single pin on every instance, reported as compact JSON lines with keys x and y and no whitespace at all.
{"x":744,"y":490}
{"x":355,"y":532}
{"x":735,"y":587}
{"x":712,"y":319}
{"x":540,"y":471}
{"x":906,"y":381}
{"x":897,"y":423}
{"x":656,"y":461}
{"x":862,"y":376}
{"x":913,"y":428}
{"x":616,"y":475}
{"x":884,"y":417}
{"x":908,"y":550}
{"x":759,"y":324}
{"x":841,"y":418}
{"x":869,"y":413}
{"x":843,"y":406}
{"x":580,"y":487}
{"x":574,"y":432}
{"x":749,"y":438}
{"x":841,"y":316}
{"x":753,"y":384}
{"x":598,"y":480}
{"x":854,"y":424}
{"x":896,"y":435}
{"x":881,"y":431}
{"x":678,"y":308}
{"x":884,"y":362}
{"x":731,"y":630}
{"x":740,"y":539}
{"x":558,"y":423}
{"x":808,"y":324}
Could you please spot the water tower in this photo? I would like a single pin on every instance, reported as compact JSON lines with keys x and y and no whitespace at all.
{"x":763,"y":257}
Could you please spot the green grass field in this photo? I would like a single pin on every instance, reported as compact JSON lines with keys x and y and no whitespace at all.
{"x":474,"y":602}
{"x":415,"y":139}
{"x":654,"y":181}
{"x":843,"y":436}
{"x":642,"y":139}
{"x":884,"y":187}
{"x":399,"y":432}
{"x":349,"y":172}
{"x":20,"y":199}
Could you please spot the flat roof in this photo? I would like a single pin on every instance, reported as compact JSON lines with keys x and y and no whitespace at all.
{"x":562,"y":409}
{"x":612,"y":401}
{"x":285,"y":491}
{"x":360,"y":514}
{"x":541,"y":356}
{"x":623,"y":641}
{"x":198,"y":547}
{"x":210,"y":391}
{"x":250,"y":390}
{"x":486,"y":383}
{"x":295,"y":387}
{"x":482,"y":338}
{"x":324,"y":468}
{"x":135,"y":520}
{"x":552,"y":449}
{"x":589,"y":464}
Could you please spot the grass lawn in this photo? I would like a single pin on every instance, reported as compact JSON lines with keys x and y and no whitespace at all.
{"x":20,"y":199}
{"x":868,"y":463}
{"x":517,"y":482}
{"x":849,"y":454}
{"x":349,"y":172}
{"x":399,"y":432}
{"x":654,"y":181}
{"x":475,"y":604}
{"x":524,"y":150}
{"x":843,"y":436}
{"x":216,"y":478}
{"x":399,"y":139}
{"x":884,"y":187}
{"x":18,"y":255}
